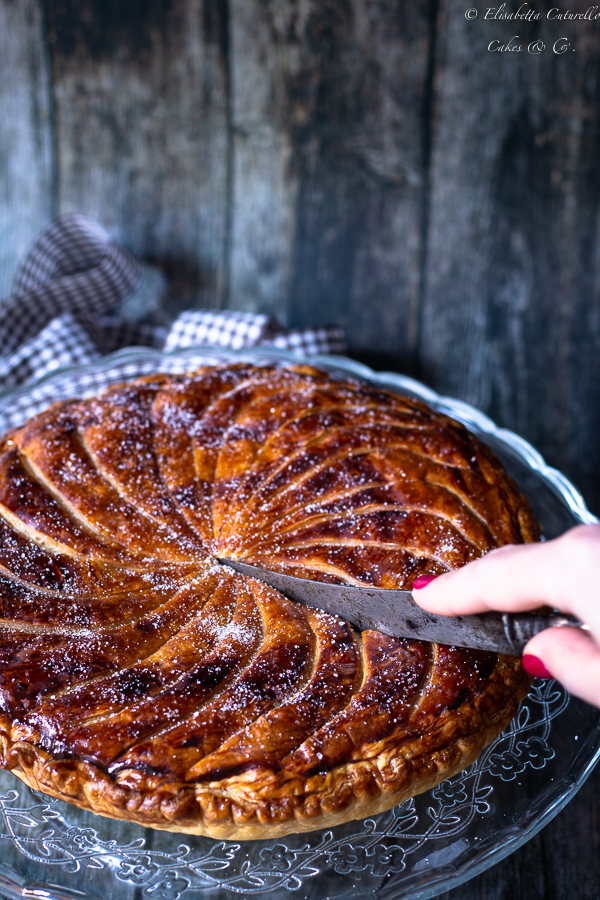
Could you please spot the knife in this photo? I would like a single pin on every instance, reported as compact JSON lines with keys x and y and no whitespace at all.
{"x":394,"y":612}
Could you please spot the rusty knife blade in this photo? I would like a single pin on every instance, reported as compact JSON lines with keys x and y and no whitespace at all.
{"x":394,"y":612}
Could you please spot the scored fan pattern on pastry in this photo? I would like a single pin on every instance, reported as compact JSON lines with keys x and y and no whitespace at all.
{"x":140,"y":679}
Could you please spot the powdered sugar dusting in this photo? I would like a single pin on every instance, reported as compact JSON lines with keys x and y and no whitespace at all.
{"x":125,"y":643}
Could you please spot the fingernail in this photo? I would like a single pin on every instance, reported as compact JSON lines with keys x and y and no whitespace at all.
{"x":422,"y":581}
{"x":534,"y":666}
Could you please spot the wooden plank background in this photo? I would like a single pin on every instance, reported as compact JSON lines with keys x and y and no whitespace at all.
{"x":365,"y":162}
{"x":26,"y":146}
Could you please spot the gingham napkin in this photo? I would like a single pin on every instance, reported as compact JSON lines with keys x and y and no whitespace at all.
{"x":66,"y":309}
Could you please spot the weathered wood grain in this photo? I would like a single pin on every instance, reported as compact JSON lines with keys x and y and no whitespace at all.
{"x":266,"y":44}
{"x":26,"y":146}
{"x":510,"y":312}
{"x":141,"y":94}
{"x":329,"y":111}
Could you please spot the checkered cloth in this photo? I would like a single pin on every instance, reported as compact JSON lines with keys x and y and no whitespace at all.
{"x":67,"y":303}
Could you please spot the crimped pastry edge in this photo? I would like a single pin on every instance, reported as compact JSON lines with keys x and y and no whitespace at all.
{"x":231,"y":809}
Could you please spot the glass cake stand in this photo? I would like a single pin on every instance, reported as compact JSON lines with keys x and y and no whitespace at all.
{"x":423,"y":847}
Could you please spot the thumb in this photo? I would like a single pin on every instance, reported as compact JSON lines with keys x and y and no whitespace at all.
{"x":570,"y":655}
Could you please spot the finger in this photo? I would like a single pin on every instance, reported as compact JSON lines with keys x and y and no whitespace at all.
{"x":562,"y":573}
{"x":509,"y":579}
{"x":571,"y":656}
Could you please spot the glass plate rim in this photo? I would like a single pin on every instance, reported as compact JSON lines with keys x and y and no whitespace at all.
{"x":476,"y":421}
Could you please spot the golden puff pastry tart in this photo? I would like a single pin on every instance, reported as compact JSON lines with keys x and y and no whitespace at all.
{"x":141,"y":680}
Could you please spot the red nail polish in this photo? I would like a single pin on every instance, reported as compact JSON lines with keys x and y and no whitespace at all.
{"x":534,"y":666}
{"x":422,"y":581}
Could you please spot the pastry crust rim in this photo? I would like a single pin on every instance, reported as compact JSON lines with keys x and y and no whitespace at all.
{"x":358,"y":789}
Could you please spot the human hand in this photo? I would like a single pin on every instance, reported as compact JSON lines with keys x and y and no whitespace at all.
{"x":563,"y":573}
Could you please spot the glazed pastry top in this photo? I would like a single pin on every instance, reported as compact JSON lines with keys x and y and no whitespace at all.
{"x":124,"y":644}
